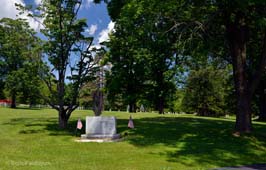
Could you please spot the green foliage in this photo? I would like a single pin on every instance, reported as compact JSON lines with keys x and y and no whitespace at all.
{"x":19,"y":59}
{"x":141,"y":53}
{"x":205,"y":92}
{"x":85,"y":98}
{"x":67,"y":48}
{"x":175,"y":104}
{"x":2,"y":85}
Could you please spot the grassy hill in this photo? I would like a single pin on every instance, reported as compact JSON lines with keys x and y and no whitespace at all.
{"x":30,"y":139}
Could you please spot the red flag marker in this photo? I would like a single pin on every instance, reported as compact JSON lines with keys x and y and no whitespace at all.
{"x":79,"y":124}
{"x":130,"y":123}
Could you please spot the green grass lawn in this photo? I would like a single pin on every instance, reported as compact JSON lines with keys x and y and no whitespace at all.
{"x":29,"y":140}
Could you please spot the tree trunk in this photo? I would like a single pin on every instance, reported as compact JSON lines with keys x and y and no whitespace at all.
{"x":63,"y":119}
{"x":13,"y":101}
{"x":97,"y":102}
{"x":161,"y":105}
{"x":262,"y":102}
{"x":237,"y":38}
{"x":161,"y":91}
{"x":243,"y":116}
{"x":31,"y":104}
{"x":132,"y":107}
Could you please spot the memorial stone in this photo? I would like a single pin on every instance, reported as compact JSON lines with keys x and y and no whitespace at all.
{"x":142,"y":109}
{"x":100,"y":127}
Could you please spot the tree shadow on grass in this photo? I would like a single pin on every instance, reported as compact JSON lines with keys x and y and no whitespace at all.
{"x":189,"y":141}
{"x":198,"y":141}
{"x":39,"y":125}
{"x":27,"y":108}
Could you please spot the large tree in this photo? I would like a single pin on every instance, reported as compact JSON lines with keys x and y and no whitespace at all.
{"x":205,"y":91}
{"x":19,"y":47}
{"x":235,"y":29}
{"x":141,"y":52}
{"x":127,"y":74}
{"x":67,"y":49}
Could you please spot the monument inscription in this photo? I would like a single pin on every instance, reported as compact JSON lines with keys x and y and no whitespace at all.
{"x":101,"y":127}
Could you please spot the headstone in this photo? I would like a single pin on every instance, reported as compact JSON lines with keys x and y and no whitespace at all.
{"x":142,"y":109}
{"x":100,"y":127}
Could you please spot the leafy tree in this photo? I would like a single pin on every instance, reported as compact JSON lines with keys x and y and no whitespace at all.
{"x":128,"y":72}
{"x":68,"y":52}
{"x":141,"y":53}
{"x":234,"y":30}
{"x":19,"y":47}
{"x":205,"y":91}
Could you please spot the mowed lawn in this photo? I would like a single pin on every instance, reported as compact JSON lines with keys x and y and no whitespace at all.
{"x":30,"y":139}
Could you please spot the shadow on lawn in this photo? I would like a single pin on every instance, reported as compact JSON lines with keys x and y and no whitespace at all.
{"x":190,"y":141}
{"x":198,"y":141}
{"x":26,"y":108}
{"x":40,"y":125}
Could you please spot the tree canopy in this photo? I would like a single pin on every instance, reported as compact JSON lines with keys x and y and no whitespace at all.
{"x":231,"y":30}
{"x":68,"y":52}
{"x":193,"y":54}
{"x":20,"y":59}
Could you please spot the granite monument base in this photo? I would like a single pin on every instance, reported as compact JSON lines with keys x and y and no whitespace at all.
{"x":100,"y":128}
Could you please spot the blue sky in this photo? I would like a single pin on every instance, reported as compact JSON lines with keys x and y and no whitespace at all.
{"x":98,"y":20}
{"x":99,"y":24}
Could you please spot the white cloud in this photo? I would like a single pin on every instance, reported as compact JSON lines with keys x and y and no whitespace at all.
{"x":8,"y":10}
{"x":38,"y":2}
{"x":97,"y":47}
{"x":104,"y":34}
{"x":92,"y":29}
{"x":87,"y":3}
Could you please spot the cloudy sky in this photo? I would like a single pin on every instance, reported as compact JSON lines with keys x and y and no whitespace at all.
{"x":99,"y":24}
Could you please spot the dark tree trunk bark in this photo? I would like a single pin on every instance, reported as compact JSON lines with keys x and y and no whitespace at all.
{"x":160,"y":92}
{"x":262,"y":101}
{"x":161,"y":105}
{"x":97,"y":102}
{"x":63,"y":119}
{"x":13,"y":101}
{"x":237,"y":37}
{"x":31,"y":104}
{"x":243,"y":116}
{"x":132,"y":107}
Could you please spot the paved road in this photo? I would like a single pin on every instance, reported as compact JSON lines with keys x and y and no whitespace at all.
{"x":248,"y":167}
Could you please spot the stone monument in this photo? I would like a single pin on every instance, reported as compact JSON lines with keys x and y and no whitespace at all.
{"x":100,"y":128}
{"x":142,"y":109}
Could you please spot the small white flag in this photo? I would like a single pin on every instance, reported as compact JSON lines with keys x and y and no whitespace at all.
{"x":130,"y":123}
{"x":79,"y":124}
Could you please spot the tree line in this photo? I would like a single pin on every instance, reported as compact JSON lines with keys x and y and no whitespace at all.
{"x":217,"y":47}
{"x":204,"y":57}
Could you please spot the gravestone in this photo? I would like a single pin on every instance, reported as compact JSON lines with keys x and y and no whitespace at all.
{"x":100,"y":127}
{"x":142,"y":109}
